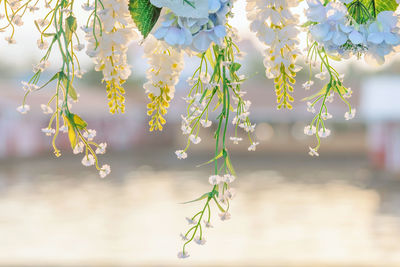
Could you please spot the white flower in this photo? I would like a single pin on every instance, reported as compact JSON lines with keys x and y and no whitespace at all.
{"x":88,"y":160}
{"x":326,"y":116}
{"x":102,"y":148}
{"x":23,"y":109}
{"x":214,"y":179}
{"x":42,"y":23}
{"x":166,"y":64}
{"x":235,"y":120}
{"x":252,"y":147}
{"x":108,"y":44}
{"x":79,"y":47}
{"x":86,"y":29}
{"x":235,"y":139}
{"x":228,"y":178}
{"x":310,"y":130}
{"x":321,"y":75}
{"x":41,"y":66}
{"x":186,"y":129}
{"x":42,"y":44}
{"x":323,"y":133}
{"x":79,"y":73}
{"x":276,"y":26}
{"x":29,"y":87}
{"x":313,"y":152}
{"x":249,"y":128}
{"x":182,"y":255}
{"x":307,"y":85}
{"x":105,"y":170}
{"x":207,"y":224}
{"x":199,"y":241}
{"x":48,"y":131}
{"x":46,"y":109}
{"x":10,"y":40}
{"x":224,"y":216}
{"x":33,"y":8}
{"x":64,"y":129}
{"x":348,"y":93}
{"x":310,"y":107}
{"x":183,"y":237}
{"x":79,"y":148}
{"x":205,"y":123}
{"x":330,"y":97}
{"x":350,"y":115}
{"x":87,"y":6}
{"x":66,"y":10}
{"x":190,"y":220}
{"x":195,"y":139}
{"x":89,"y":134}
{"x":230,"y":193}
{"x":181,"y":154}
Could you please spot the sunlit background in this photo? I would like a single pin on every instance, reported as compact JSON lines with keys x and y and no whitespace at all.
{"x":341,"y":209}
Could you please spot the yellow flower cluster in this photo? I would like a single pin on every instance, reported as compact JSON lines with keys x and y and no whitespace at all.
{"x":115,"y":95}
{"x":157,"y":108}
{"x":284,"y":86}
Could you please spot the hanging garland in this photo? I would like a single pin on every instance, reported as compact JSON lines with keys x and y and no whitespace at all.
{"x":336,"y":30}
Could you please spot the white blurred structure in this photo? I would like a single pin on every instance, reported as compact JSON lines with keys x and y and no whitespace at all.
{"x":380,"y":109}
{"x":20,"y":135}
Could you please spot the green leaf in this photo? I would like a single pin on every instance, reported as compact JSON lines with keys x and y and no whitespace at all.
{"x":235,"y":67}
{"x":206,"y":195}
{"x":365,"y":10}
{"x":229,"y":165}
{"x":70,"y":27}
{"x":308,"y":23}
{"x":79,"y":123}
{"x":377,"y":6}
{"x":321,"y":92}
{"x":213,"y":159}
{"x":219,"y":206}
{"x":144,"y":14}
{"x":72,"y":93}
{"x":71,"y":133}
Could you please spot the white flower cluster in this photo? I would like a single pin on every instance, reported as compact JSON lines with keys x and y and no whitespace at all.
{"x":166,"y":64}
{"x":341,"y":35}
{"x":275,"y":26}
{"x":108,"y":45}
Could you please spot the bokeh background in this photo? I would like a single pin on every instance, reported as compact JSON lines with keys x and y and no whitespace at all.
{"x":341,"y":209}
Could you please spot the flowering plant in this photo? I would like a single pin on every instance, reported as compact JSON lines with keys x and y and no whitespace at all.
{"x":336,"y":29}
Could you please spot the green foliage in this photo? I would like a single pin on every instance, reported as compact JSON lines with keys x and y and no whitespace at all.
{"x":70,"y":27}
{"x":144,"y":14}
{"x":364,"y":10}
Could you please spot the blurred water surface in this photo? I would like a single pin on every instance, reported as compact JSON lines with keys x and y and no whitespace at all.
{"x":289,"y":211}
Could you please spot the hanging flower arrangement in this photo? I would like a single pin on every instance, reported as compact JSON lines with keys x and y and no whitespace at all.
{"x":169,"y":29}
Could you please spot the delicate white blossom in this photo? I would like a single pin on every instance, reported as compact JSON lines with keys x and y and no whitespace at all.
{"x":88,"y":160}
{"x":23,"y":109}
{"x":181,"y":154}
{"x":101,"y":149}
{"x":224,"y":216}
{"x":105,"y":170}
{"x":199,"y":241}
{"x":214,"y":179}
{"x":183,"y":255}
{"x":350,"y":114}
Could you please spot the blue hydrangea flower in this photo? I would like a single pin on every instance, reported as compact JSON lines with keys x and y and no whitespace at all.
{"x":195,"y":33}
{"x":342,"y":36}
